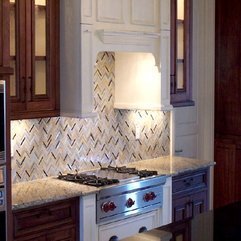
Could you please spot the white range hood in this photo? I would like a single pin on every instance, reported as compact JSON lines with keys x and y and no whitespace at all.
{"x":135,"y":31}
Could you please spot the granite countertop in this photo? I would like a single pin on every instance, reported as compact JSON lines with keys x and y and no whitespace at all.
{"x":171,"y":165}
{"x":40,"y":191}
{"x":32,"y":193}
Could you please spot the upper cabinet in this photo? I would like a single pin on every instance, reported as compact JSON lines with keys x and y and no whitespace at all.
{"x":136,"y":15}
{"x":34,"y":56}
{"x":181,"y":50}
{"x":4,"y":38}
{"x":120,"y":26}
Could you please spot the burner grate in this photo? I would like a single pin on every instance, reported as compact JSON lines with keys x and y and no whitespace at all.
{"x":87,"y":179}
{"x":131,"y":170}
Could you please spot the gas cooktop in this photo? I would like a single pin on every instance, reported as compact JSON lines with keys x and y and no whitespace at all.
{"x":107,"y":176}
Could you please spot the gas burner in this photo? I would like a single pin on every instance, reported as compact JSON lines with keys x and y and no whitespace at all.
{"x":131,"y":170}
{"x":86,"y":179}
{"x":122,"y":169}
{"x":146,"y":173}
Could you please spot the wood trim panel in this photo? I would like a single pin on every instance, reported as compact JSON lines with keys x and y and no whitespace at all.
{"x":181,"y":97}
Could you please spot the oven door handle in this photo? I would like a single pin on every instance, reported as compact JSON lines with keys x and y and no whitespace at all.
{"x":114,"y":238}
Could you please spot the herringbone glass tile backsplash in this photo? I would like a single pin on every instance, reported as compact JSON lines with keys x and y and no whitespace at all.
{"x":45,"y":147}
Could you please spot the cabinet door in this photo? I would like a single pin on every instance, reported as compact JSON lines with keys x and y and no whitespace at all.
{"x":224,"y":173}
{"x":110,"y":11}
{"x":199,"y":203}
{"x":4,"y":33}
{"x":34,"y":57}
{"x":188,"y":206}
{"x":185,"y":131}
{"x":181,"y":22}
{"x":145,"y":12}
{"x":42,"y":238}
{"x":181,"y":209}
{"x":62,"y":235}
{"x":181,"y":231}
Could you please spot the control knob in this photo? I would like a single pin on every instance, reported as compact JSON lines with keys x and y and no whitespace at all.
{"x":130,"y":203}
{"x":108,"y":206}
{"x":149,"y":196}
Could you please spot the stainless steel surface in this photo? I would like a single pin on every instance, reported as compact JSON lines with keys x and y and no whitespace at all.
{"x":111,"y":174}
{"x":134,"y":197}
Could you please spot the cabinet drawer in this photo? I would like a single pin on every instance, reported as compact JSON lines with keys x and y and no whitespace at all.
{"x":129,"y":227}
{"x":45,"y":217}
{"x":189,"y":181}
{"x":62,"y":235}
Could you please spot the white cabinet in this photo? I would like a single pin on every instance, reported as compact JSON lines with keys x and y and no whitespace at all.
{"x":129,"y":227}
{"x":76,"y":63}
{"x":109,"y":11}
{"x":90,"y":26}
{"x":185,"y":132}
{"x":132,"y":15}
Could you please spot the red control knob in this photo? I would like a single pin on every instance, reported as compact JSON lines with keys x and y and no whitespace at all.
{"x":153,"y":195}
{"x":149,"y":196}
{"x":108,"y":206}
{"x":130,"y":203}
{"x":112,"y":206}
{"x":105,"y":207}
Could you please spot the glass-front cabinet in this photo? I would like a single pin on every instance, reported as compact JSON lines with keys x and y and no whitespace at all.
{"x":181,"y":52}
{"x":34,"y":51}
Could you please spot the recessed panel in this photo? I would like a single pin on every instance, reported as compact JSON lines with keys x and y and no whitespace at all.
{"x":144,"y":12}
{"x":110,"y":11}
{"x":86,"y":11}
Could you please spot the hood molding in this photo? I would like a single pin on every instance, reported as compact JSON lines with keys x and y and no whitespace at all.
{"x":127,"y":41}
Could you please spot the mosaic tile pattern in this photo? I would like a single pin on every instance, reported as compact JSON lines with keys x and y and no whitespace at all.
{"x":45,"y":147}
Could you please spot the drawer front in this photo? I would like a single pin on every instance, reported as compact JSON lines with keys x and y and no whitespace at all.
{"x":62,"y":235}
{"x":187,"y":182}
{"x":129,"y":227}
{"x":45,"y":217}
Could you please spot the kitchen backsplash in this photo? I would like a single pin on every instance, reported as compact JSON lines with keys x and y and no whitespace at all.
{"x":45,"y":147}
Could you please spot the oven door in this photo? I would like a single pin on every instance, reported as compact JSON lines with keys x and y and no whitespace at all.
{"x":2,"y":122}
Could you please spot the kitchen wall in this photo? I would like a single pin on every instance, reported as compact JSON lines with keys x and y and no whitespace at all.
{"x":45,"y":147}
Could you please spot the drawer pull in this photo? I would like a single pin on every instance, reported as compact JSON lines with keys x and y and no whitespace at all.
{"x":179,"y":151}
{"x":142,"y":229}
{"x":44,"y":213}
{"x":188,"y":182}
{"x":114,"y":238}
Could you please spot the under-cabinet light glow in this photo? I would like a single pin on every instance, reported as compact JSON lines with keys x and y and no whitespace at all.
{"x":137,"y":81}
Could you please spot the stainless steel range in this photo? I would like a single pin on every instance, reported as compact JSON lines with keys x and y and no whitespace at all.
{"x":129,"y":198}
{"x":125,"y":193}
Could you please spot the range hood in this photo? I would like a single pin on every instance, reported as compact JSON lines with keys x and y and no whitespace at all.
{"x":141,"y":68}
{"x":142,"y":53}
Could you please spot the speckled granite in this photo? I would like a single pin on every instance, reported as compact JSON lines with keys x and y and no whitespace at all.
{"x":32,"y":193}
{"x":45,"y":190}
{"x":171,"y":165}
